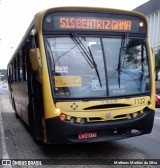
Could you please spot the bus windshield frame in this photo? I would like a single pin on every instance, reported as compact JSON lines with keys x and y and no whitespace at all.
{"x":119,"y":81}
{"x":107,"y":36}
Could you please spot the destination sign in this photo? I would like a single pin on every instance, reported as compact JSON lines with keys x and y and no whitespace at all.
{"x":93,"y":23}
{"x":82,"y":21}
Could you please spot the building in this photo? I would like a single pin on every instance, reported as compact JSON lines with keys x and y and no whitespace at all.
{"x":151,"y":10}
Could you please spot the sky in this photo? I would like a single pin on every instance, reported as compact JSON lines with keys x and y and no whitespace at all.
{"x":16,"y":16}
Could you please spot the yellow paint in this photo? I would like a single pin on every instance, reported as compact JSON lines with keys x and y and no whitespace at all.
{"x":49,"y":107}
{"x":68,"y":81}
{"x":75,"y":81}
{"x":134,"y":105}
{"x":81,"y":105}
{"x":152,"y":65}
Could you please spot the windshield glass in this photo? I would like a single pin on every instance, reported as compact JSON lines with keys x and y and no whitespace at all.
{"x":90,"y":67}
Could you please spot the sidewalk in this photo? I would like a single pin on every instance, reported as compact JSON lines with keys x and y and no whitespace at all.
{"x":4,"y":152}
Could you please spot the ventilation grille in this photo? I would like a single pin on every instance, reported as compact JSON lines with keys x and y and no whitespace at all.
{"x":104,"y":106}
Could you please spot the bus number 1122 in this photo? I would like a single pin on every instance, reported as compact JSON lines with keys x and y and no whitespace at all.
{"x":139,"y":101}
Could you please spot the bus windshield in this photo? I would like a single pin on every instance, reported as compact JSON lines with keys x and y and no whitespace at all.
{"x":97,"y":67}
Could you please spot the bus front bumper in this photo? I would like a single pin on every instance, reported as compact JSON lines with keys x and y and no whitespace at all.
{"x":58,"y":131}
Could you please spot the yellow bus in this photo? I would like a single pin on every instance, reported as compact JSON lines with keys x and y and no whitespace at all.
{"x":84,"y":75}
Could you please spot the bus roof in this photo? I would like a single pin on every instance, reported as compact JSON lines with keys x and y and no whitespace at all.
{"x":38,"y":18}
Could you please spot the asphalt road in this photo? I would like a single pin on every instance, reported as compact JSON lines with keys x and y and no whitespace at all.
{"x":148,"y":144}
{"x":16,"y":143}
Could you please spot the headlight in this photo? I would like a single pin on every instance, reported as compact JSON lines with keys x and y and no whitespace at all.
{"x":158,"y":96}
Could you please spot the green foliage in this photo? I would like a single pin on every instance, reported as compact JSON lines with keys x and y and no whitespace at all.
{"x":131,"y":52}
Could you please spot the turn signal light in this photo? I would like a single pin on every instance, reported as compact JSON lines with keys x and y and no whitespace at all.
{"x":130,"y":116}
{"x":58,"y":110}
{"x":63,"y":116}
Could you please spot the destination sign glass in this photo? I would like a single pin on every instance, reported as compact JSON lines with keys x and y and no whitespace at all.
{"x":93,"y":22}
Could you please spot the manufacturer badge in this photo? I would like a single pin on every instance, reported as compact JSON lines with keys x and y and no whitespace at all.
{"x":108,"y":115}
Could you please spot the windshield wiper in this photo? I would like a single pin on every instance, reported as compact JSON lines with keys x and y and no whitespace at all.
{"x":121,"y":54}
{"x":87,"y":55}
{"x":95,"y":66}
{"x":82,"y":49}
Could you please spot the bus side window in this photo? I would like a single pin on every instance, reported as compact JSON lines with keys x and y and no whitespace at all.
{"x":18,"y":66}
{"x":20,"y":69}
{"x":32,"y":42}
{"x":24,"y":64}
{"x":15,"y":71}
{"x":11,"y":77}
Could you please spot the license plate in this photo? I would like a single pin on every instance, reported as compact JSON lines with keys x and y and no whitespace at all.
{"x":87,"y":135}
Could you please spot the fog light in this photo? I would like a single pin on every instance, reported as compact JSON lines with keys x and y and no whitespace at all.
{"x":62,"y":116}
{"x":83,"y":121}
{"x":130,"y":116}
{"x":137,"y":114}
{"x":72,"y":119}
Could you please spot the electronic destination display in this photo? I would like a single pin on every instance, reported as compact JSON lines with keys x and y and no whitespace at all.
{"x":94,"y":23}
{"x":80,"y":21}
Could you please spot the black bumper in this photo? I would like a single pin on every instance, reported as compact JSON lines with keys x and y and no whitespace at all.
{"x":58,"y":131}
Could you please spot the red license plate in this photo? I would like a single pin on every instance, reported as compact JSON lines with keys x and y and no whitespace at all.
{"x":87,"y":135}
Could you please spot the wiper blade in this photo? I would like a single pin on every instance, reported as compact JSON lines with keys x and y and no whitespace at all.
{"x":95,"y":66}
{"x":82,"y":48}
{"x":121,"y":51}
{"x":121,"y":54}
{"x":87,"y":55}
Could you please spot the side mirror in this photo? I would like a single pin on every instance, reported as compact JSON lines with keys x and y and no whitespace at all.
{"x":35,"y":59}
